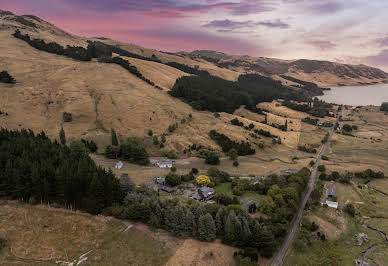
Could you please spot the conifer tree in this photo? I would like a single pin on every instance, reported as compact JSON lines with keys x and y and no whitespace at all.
{"x":115,"y":141}
{"x":62,"y":136}
{"x":220,"y":221}
{"x":206,"y":228}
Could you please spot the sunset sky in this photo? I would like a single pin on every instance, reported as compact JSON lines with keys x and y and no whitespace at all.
{"x":351,"y":31}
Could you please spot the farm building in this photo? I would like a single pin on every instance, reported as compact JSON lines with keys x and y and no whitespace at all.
{"x":204,"y":194}
{"x":289,"y":171}
{"x":250,"y":205}
{"x":164,"y":164}
{"x":119,"y":165}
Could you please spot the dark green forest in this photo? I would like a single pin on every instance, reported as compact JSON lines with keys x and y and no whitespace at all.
{"x":214,"y":94}
{"x":35,"y":169}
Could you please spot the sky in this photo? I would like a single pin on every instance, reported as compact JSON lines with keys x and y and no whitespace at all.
{"x":346,"y":31}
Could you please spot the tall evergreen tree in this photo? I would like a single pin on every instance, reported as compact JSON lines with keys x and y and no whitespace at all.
{"x":115,"y":141}
{"x":62,"y":136}
{"x":206,"y":228}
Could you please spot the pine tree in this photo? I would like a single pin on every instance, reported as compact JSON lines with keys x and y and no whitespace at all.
{"x":115,"y":141}
{"x":62,"y":136}
{"x":190,"y":223}
{"x":232,"y":229}
{"x":206,"y":228}
{"x":286,"y":125}
{"x":220,"y":221}
{"x":95,"y":201}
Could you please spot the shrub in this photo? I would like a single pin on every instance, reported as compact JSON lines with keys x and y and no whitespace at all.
{"x":212,"y":157}
{"x":67,"y":117}
{"x":203,"y":180}
{"x":3,"y":243}
{"x":322,"y":168}
{"x":173,"y":169}
{"x":232,"y":153}
{"x":349,"y":209}
{"x":194,"y":171}
{"x":171,"y":154}
{"x":235,"y":164}
{"x":155,"y":140}
{"x":150,"y":133}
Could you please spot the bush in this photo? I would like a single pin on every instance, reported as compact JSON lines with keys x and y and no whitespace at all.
{"x":155,"y":140}
{"x":173,"y":169}
{"x":235,"y":164}
{"x":322,"y":168}
{"x":171,"y":154}
{"x":212,"y":157}
{"x":67,"y":117}
{"x":203,"y":180}
{"x":194,"y":171}
{"x":349,"y":209}
{"x":150,"y":133}
{"x":232,"y":153}
{"x":173,"y":179}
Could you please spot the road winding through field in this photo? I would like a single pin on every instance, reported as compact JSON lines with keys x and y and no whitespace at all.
{"x":278,"y":259}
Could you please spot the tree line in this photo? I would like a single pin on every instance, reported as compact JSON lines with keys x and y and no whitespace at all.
{"x":243,"y":148}
{"x":94,"y":50}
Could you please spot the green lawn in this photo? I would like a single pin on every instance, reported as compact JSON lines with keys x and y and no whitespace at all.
{"x":225,"y":188}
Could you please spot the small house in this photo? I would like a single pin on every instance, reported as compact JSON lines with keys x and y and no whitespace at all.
{"x":204,"y":194}
{"x":119,"y":165}
{"x":168,"y":189}
{"x":164,"y":164}
{"x":332,"y":204}
{"x":250,"y":205}
{"x":160,"y":180}
{"x":330,"y":192}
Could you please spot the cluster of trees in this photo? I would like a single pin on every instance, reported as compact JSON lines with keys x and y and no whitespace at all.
{"x":211,"y":156}
{"x":314,"y":122}
{"x":5,"y":77}
{"x":125,"y":64}
{"x":90,"y":145}
{"x":203,"y":222}
{"x":173,"y":179}
{"x":308,"y":235}
{"x":264,"y":133}
{"x":187,"y":69}
{"x":243,"y":148}
{"x":317,"y":108}
{"x":236,"y":122}
{"x":307,"y":149}
{"x":132,"y":151}
{"x":35,"y":169}
{"x":24,"y":21}
{"x":218,"y":95}
{"x":349,"y":128}
{"x":345,"y":178}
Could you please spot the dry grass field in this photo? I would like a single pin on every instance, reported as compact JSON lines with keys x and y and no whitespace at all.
{"x":37,"y":235}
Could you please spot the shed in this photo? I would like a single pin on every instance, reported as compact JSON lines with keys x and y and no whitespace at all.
{"x":332,"y":204}
{"x":119,"y":165}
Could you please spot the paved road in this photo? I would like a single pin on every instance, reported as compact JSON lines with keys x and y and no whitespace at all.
{"x":297,"y":218}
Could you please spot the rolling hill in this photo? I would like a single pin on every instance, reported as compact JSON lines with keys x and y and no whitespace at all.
{"x":104,"y":96}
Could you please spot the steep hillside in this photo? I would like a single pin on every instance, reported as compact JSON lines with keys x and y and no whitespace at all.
{"x":99,"y":96}
{"x":323,"y":73}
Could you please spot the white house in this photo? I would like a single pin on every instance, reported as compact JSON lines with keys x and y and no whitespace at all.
{"x":164,"y":164}
{"x":119,"y":165}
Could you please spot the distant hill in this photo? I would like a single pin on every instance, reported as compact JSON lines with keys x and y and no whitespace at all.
{"x":324,"y":73}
